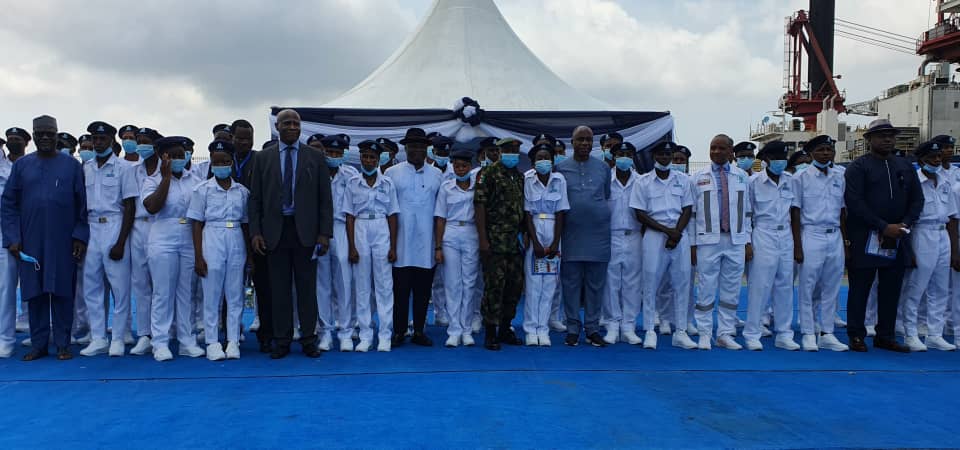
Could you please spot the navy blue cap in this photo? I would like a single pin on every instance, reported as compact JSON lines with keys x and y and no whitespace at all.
{"x":335,"y":142}
{"x":149,"y":132}
{"x":100,"y":127}
{"x":774,"y":149}
{"x":488,"y":142}
{"x":542,"y":137}
{"x":68,"y":138}
{"x":187,"y":142}
{"x":623,"y":146}
{"x":433,"y":134}
{"x":221,"y":146}
{"x":370,"y":145}
{"x":607,"y":137}
{"x":221,"y":127}
{"x":945,"y":140}
{"x":344,"y":137}
{"x":315,"y":138}
{"x":532,"y":153}
{"x":18,"y":132}
{"x":84,"y":138}
{"x":387,"y":144}
{"x":462,"y":154}
{"x":560,"y":145}
{"x":818,"y":141}
{"x":927,"y":148}
{"x":165,"y":144}
{"x":683,"y":149}
{"x":128,"y":129}
{"x":442,"y":143}
{"x":744,"y":147}
{"x":792,"y":161}
{"x":665,"y":146}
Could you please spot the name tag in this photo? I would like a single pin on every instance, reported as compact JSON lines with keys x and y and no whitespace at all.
{"x":229,"y":224}
{"x":543,"y":216}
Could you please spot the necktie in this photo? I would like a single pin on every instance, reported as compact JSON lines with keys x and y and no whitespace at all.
{"x":724,"y":203}
{"x":286,"y":195}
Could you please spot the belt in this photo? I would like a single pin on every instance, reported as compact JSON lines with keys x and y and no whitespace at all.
{"x":371,"y":216}
{"x":930,"y":226}
{"x":460,"y":223}
{"x":624,"y":232}
{"x":145,"y":219}
{"x":545,"y":216}
{"x":180,"y":220}
{"x":820,"y":230}
{"x":105,"y":219}
{"x":771,"y":227}
{"x":223,"y":224}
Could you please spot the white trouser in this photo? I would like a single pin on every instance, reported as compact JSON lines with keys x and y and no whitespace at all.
{"x":344,"y":297}
{"x":141,"y":285}
{"x":8,"y":298}
{"x":460,"y":262}
{"x":438,"y":295}
{"x":373,"y":275}
{"x":719,"y":269}
{"x":822,"y":268}
{"x":931,"y":246}
{"x":171,"y":257}
{"x":666,"y":298}
{"x":539,"y":289}
{"x":325,"y":276}
{"x":660,"y":263}
{"x":771,"y":277}
{"x":621,"y":305}
{"x":96,"y":263}
{"x":225,"y":254}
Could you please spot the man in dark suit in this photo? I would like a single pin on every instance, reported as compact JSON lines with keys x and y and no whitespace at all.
{"x":291,"y":221}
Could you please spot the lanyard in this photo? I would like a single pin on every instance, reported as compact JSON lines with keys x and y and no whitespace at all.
{"x":238,"y":165}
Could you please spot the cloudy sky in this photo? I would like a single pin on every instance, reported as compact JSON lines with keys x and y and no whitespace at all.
{"x":181,"y":66}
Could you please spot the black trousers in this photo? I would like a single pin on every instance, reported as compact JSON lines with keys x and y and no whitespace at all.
{"x":888,"y":299}
{"x":291,"y":263}
{"x":261,"y":283}
{"x":407,"y":280}
{"x":39,"y":311}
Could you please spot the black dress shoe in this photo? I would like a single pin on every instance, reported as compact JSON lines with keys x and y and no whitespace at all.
{"x":63,"y":353}
{"x":490,"y":338}
{"x":398,"y":340}
{"x":572,"y":340}
{"x":266,"y":347}
{"x":596,"y":340}
{"x":311,"y":351}
{"x":35,"y":355}
{"x":507,"y":336}
{"x":857,"y":344}
{"x":280,"y":351}
{"x":892,"y":345}
{"x":421,"y":339}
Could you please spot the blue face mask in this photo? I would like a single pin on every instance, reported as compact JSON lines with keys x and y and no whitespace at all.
{"x":801,"y":167}
{"x":543,"y":167}
{"x":682,"y":168}
{"x":484,"y":163}
{"x":510,"y":160}
{"x":624,"y":164}
{"x":370,"y":172}
{"x":145,"y":151}
{"x":188,"y":155}
{"x":65,"y":151}
{"x":441,"y":160}
{"x":221,"y":172}
{"x":745,"y":163}
{"x":105,"y":153}
{"x":607,"y":156}
{"x":820,"y":165}
{"x":177,"y":165}
{"x":557,"y":159}
{"x":87,"y":155}
{"x":30,"y":260}
{"x":334,"y":163}
{"x":384,"y":158}
{"x":430,"y":154}
{"x":464,"y":178}
{"x":663,"y":167}
{"x":777,"y":166}
{"x":931,"y":169}
{"x":129,"y":145}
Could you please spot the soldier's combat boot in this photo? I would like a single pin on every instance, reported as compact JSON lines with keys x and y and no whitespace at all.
{"x":490,"y":338}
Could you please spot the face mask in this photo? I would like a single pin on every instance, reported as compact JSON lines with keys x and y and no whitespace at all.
{"x":30,"y":260}
{"x":370,"y":172}
{"x":105,"y":153}
{"x":931,"y":169}
{"x":543,"y":167}
{"x":464,"y":178}
{"x":221,"y":172}
{"x":145,"y":151}
{"x":87,"y":155}
{"x":510,"y":160}
{"x":129,"y":145}
{"x":188,"y":155}
{"x":557,"y":159}
{"x":607,"y":156}
{"x":384,"y":158}
{"x":624,"y":164}
{"x":801,"y":167}
{"x":663,"y":167}
{"x":820,"y":165}
{"x":15,"y":148}
{"x":441,"y":160}
{"x":430,"y":154}
{"x":777,"y":166}
{"x":334,"y":163}
{"x":484,"y":163}
{"x":745,"y":163}
{"x":177,"y":165}
{"x":682,"y":168}
{"x":65,"y":151}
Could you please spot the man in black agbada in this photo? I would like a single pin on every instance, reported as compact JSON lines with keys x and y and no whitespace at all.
{"x":883,"y":198}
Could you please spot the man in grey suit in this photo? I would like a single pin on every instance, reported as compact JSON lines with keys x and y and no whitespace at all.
{"x":291,"y":221}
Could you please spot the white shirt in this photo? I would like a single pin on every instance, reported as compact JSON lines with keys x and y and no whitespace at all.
{"x":417,"y":195}
{"x":210,"y":202}
{"x":938,"y":202}
{"x":771,"y":201}
{"x":108,"y":186}
{"x":819,"y":197}
{"x":662,"y":200}
{"x":361,"y":199}
{"x":549,"y":199}
{"x":454,"y":203}
{"x":178,"y":195}
{"x":622,"y":216}
{"x":140,"y":177}
{"x":338,"y":185}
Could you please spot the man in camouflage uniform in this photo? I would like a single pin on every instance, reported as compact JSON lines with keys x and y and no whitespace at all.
{"x":498,"y":201}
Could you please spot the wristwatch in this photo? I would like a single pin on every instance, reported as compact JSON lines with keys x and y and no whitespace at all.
{"x":846,"y":243}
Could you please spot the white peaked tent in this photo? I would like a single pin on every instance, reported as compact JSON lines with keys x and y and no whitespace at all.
{"x":465,"y":48}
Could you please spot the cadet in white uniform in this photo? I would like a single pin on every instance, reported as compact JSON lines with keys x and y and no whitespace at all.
{"x":170,"y":250}
{"x":663,"y":201}
{"x":456,"y":248}
{"x":140,"y":282}
{"x":371,"y":208}
{"x":8,"y":272}
{"x":439,"y":155}
{"x":111,"y":195}
{"x":218,"y":209}
{"x":722,"y":242}
{"x":771,"y":272}
{"x":933,"y":242}
{"x":819,"y":242}
{"x":622,"y":304}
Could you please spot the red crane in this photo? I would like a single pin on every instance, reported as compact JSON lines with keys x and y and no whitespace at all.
{"x":806,"y":101}
{"x":942,"y":42}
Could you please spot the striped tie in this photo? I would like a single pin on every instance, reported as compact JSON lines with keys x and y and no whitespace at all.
{"x":724,"y":203}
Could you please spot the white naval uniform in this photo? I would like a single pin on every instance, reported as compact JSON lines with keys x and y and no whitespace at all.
{"x":720,"y":253}
{"x":542,"y":203}
{"x":222,"y":212}
{"x":9,"y":278}
{"x":141,"y":285}
{"x":819,"y":196}
{"x":461,"y":259}
{"x":335,"y":296}
{"x":621,"y":305}
{"x":931,"y":248}
{"x":438,"y":294}
{"x":370,"y":206}
{"x":107,"y":187}
{"x":771,"y":274}
{"x":171,"y":259}
{"x":954,"y":302}
{"x":200,"y":170}
{"x":663,"y":201}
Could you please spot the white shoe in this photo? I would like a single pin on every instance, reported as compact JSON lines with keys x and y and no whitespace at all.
{"x":143,"y":346}
{"x":255,"y":326}
{"x":215,"y":352}
{"x":383,"y":345}
{"x":765,"y":320}
{"x":544,"y":340}
{"x":871,"y":330}
{"x":325,"y":342}
{"x":631,"y":337}
{"x":192,"y":351}
{"x":786,"y":343}
{"x":162,"y":353}
{"x":6,"y":351}
{"x":611,"y":336}
{"x":558,"y":326}
{"x":233,"y":350}
{"x":650,"y":339}
{"x":468,"y":340}
{"x":754,"y":345}
{"x":346,"y":345}
{"x":454,"y":341}
{"x":704,"y":342}
{"x":27,"y":342}
{"x":765,"y":332}
{"x":939,"y":343}
{"x":665,"y":328}
{"x":809,"y":342}
{"x":914,"y":343}
{"x":117,"y":348}
{"x":477,"y":325}
{"x":296,"y":334}
{"x":680,"y":339}
{"x":728,"y":342}
{"x":82,"y":340}
{"x":692,"y":330}
{"x":830,"y":342}
{"x":838,"y":322}
{"x":364,"y":346}
{"x":128,"y":338}
{"x":98,"y":346}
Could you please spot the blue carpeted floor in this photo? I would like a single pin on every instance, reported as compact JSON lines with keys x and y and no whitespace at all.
{"x":620,"y":396}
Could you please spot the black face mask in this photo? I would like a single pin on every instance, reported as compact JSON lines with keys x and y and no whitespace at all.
{"x":15,"y":148}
